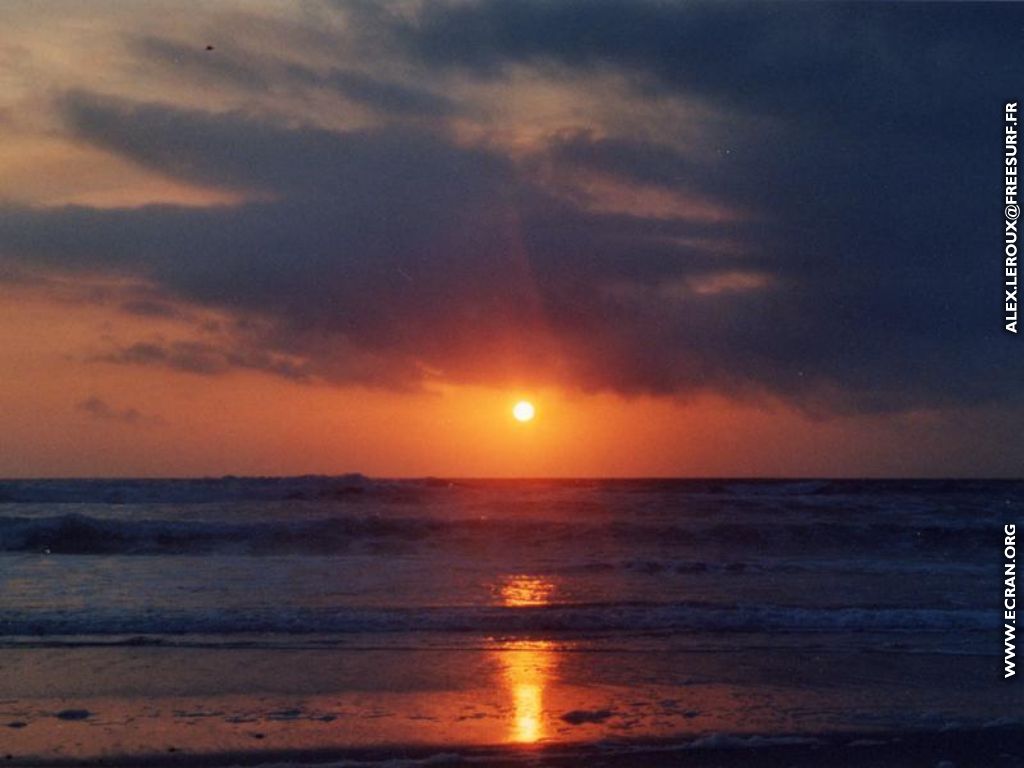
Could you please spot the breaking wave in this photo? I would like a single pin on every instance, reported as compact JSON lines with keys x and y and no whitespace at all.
{"x":498,"y":620}
{"x":81,"y":534}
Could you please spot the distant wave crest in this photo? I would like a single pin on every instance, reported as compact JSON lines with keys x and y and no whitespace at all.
{"x":80,"y":534}
{"x":497,"y":620}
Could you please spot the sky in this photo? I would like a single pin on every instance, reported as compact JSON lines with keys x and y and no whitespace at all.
{"x":320,"y":237}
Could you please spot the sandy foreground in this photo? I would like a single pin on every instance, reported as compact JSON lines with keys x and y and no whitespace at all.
{"x":502,"y":703}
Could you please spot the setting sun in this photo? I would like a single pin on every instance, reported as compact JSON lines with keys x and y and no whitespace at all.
{"x":523,"y":411}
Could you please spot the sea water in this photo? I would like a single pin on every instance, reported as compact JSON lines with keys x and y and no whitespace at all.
{"x":831,"y":594}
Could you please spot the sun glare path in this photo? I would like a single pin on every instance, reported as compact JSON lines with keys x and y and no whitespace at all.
{"x":528,"y":664}
{"x":523,"y":411}
{"x":528,"y":667}
{"x":520,"y":591}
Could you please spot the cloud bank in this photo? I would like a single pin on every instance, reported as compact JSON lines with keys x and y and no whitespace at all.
{"x":828,"y":237}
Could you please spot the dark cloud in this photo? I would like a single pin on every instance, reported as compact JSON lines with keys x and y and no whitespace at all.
{"x":396,"y":242}
{"x":828,"y":63}
{"x":385,"y":96}
{"x":207,"y":358}
{"x":863,"y":133}
{"x":856,"y":147}
{"x":647,"y":163}
{"x":101,"y":409}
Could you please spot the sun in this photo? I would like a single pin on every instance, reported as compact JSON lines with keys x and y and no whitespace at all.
{"x":523,"y":411}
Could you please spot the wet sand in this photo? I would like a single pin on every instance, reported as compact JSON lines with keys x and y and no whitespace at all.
{"x":500,"y":702}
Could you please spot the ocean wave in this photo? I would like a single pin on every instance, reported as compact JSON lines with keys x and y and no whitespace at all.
{"x":188,"y":490}
{"x":496,"y":620}
{"x":81,"y":534}
{"x":85,"y":535}
{"x":333,"y":487}
{"x":737,"y":567}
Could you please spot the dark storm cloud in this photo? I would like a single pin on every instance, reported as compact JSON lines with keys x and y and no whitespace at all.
{"x":418,"y":254}
{"x":397,"y":241}
{"x":231,"y":150}
{"x":829,"y":62}
{"x":867,"y":134}
{"x":859,"y":145}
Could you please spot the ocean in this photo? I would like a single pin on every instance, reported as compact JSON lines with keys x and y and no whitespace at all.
{"x":628,"y":622}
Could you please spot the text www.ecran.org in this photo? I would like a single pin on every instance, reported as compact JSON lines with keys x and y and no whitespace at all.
{"x":1009,"y":596}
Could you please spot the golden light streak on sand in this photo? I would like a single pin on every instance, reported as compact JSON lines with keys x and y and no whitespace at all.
{"x":527,"y":664}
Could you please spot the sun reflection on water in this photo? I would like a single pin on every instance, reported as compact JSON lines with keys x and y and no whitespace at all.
{"x":520,"y":591}
{"x":527,"y":664}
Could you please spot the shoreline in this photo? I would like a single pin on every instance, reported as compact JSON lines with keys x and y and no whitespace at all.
{"x":994,"y":746}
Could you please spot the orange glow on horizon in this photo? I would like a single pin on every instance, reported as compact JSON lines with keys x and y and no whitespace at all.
{"x":258,"y":424}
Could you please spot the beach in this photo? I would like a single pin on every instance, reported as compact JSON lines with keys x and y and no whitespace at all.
{"x":503,"y":624}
